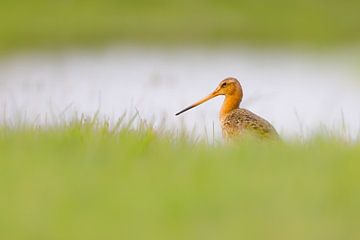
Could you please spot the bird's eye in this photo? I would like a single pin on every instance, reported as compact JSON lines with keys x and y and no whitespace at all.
{"x":223,"y":85}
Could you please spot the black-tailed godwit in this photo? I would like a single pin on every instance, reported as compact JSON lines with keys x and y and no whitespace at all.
{"x":237,"y":121}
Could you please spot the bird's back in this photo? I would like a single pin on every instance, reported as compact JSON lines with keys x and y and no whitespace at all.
{"x":242,"y":121}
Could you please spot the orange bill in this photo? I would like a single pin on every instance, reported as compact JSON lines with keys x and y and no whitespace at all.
{"x":212,"y":95}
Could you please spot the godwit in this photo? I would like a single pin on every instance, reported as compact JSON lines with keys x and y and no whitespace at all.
{"x":237,"y":121}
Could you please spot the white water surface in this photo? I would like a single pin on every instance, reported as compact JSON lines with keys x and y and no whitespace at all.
{"x":298,"y":92}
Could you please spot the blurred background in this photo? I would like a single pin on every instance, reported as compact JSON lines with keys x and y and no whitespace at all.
{"x":298,"y":61}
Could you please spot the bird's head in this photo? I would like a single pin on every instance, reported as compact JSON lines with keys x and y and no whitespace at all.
{"x":228,"y":87}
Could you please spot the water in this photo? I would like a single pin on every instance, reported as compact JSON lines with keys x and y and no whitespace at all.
{"x":296,"y":91}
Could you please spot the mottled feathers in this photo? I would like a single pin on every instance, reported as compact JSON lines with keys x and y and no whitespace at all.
{"x":241,"y":121}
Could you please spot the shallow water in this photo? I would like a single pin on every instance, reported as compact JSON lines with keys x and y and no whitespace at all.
{"x":296,"y":91}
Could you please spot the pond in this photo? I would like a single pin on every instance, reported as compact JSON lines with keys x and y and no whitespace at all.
{"x":299,"y":92}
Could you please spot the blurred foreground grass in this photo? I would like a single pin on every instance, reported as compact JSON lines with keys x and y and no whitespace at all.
{"x":86,"y":182}
{"x":44,"y":23}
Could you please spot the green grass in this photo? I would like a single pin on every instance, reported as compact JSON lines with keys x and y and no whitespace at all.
{"x":84,"y":181}
{"x":44,"y":23}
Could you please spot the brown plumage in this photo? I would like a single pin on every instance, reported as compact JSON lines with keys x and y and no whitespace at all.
{"x":237,"y":121}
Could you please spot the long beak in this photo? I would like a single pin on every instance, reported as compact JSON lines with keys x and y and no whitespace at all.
{"x":212,"y":95}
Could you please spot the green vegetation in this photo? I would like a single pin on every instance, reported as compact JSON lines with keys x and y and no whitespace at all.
{"x":87,"y":181}
{"x":84,"y":181}
{"x":44,"y":23}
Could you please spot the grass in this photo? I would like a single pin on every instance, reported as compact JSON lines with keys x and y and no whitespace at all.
{"x":43,"y":23}
{"x":86,"y":181}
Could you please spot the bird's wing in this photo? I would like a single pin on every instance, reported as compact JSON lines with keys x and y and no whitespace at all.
{"x":243,"y":120}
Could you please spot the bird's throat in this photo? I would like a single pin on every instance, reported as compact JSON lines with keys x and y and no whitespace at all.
{"x":230,"y":103}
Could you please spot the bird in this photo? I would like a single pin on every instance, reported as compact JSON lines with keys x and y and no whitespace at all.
{"x":237,"y":122}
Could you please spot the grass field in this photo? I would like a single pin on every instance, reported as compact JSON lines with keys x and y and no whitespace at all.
{"x":43,"y":23}
{"x":89,"y":182}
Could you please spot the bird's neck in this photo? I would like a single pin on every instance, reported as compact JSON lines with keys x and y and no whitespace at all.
{"x":230,"y":103}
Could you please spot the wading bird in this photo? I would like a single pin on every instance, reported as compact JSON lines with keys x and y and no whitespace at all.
{"x":235,"y":121}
